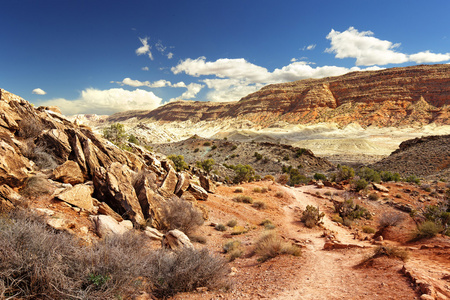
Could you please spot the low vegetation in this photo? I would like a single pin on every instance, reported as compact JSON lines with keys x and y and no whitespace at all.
{"x":39,"y":263}
{"x":182,"y":215}
{"x":178,"y":161}
{"x":312,"y":217}
{"x":270,"y":245}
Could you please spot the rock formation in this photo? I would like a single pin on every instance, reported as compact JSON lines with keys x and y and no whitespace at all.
{"x":83,"y":170}
{"x":416,"y":95}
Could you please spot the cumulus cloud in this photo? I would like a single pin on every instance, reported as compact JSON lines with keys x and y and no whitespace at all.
{"x":39,"y":91}
{"x":105,"y":102}
{"x":170,"y":55}
{"x":367,"y":49}
{"x":145,"y":69}
{"x":224,"y":90}
{"x":428,"y":57}
{"x":192,"y":90}
{"x":145,"y":48}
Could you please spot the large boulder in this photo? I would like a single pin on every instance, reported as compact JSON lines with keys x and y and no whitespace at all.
{"x":114,"y":186}
{"x":198,"y":192}
{"x":55,"y":141}
{"x":169,"y":184}
{"x":107,"y":226}
{"x":207,"y":184}
{"x":79,"y":195}
{"x":175,"y":239}
{"x":182,"y":184}
{"x":14,"y":167}
{"x":69,"y":172}
{"x":8,"y":198}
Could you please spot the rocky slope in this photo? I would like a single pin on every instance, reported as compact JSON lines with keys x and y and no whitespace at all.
{"x":416,"y":95}
{"x":427,"y":156}
{"x":44,"y":154}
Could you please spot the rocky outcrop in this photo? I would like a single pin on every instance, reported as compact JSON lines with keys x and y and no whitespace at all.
{"x":415,"y":95}
{"x":420,"y":157}
{"x":175,"y":239}
{"x":39,"y":146}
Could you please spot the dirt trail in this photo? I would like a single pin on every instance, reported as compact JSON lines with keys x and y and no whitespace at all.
{"x":331,"y":274}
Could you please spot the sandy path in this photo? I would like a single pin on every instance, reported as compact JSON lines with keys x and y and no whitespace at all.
{"x":331,"y":274}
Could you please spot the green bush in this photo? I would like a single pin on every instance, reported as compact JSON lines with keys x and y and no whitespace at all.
{"x":233,"y":249}
{"x":369,"y":174}
{"x":299,"y":152}
{"x":343,"y":173}
{"x":373,"y":196}
{"x":206,"y":165}
{"x":178,"y":161}
{"x":412,"y":179}
{"x":427,"y":229}
{"x":243,"y":173}
{"x":312,"y":217}
{"x":207,"y":144}
{"x":348,"y":210}
{"x":115,"y":133}
{"x":320,"y":176}
{"x":388,"y":176}
{"x":368,"y":229}
{"x":360,"y":184}
{"x":258,"y":156}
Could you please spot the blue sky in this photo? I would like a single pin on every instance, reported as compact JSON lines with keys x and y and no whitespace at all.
{"x":101,"y":56}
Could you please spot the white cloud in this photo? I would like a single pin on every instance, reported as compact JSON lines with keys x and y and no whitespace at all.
{"x":224,"y":90}
{"x":367,"y":49}
{"x":105,"y":102}
{"x":156,"y":84}
{"x":428,"y":57}
{"x":145,"y":48}
{"x":192,"y":90}
{"x":170,"y":55}
{"x":223,"y":68}
{"x":145,"y":69}
{"x":309,"y":47}
{"x":39,"y":91}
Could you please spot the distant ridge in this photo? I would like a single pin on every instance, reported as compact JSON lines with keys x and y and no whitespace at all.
{"x":416,"y":95}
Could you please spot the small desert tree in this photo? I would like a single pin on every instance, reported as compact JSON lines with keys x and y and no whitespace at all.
{"x":206,"y":164}
{"x":243,"y":173}
{"x":115,"y":133}
{"x":178,"y":161}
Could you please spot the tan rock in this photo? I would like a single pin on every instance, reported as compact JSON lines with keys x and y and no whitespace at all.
{"x":380,"y":187}
{"x":207,"y":184}
{"x":107,"y":226}
{"x":13,"y":166}
{"x":104,"y":209}
{"x":182,"y":184}
{"x":69,"y":172}
{"x":169,"y":184}
{"x":114,"y":186}
{"x":175,"y":239}
{"x":198,"y":192}
{"x":79,"y":195}
{"x":153,"y":233}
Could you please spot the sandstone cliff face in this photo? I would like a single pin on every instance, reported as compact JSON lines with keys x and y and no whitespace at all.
{"x":415,"y":95}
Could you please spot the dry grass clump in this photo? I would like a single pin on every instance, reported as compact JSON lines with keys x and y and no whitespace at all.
{"x":270,"y":245}
{"x":427,"y":229}
{"x":234,"y":249}
{"x":243,"y":199}
{"x":368,"y":229}
{"x":37,"y":186}
{"x":260,"y":190}
{"x":239,"y":190}
{"x":220,"y":227}
{"x":280,"y":195}
{"x":231,"y":223}
{"x":391,"y":252}
{"x":390,"y":219}
{"x":259,"y":205}
{"x":267,"y":224}
{"x":182,"y":215}
{"x":38,"y":263}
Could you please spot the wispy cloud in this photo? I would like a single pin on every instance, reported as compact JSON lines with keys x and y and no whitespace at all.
{"x":309,"y":47}
{"x":144,"y":69}
{"x":145,"y":48}
{"x":39,"y":91}
{"x":156,"y":84}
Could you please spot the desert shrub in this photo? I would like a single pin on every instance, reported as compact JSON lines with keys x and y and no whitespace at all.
{"x":220,"y":227}
{"x":243,"y":173}
{"x":231,"y":223}
{"x":30,"y":128}
{"x":295,"y":177}
{"x":269,"y":177}
{"x":283,"y":179}
{"x":238,"y":229}
{"x":327,"y":193}
{"x":427,"y":229}
{"x":391,"y":252}
{"x":320,"y":176}
{"x":133,"y":139}
{"x":369,"y":174}
{"x":368,"y":229}
{"x":299,"y":152}
{"x":280,"y":194}
{"x":115,"y":133}
{"x":37,"y":186}
{"x":426,"y":187}
{"x":348,"y":210}
{"x":239,"y":190}
{"x":233,"y":148}
{"x":412,"y":179}
{"x":196,"y":150}
{"x":258,"y":156}
{"x":243,"y":199}
{"x":233,"y":249}
{"x":373,"y":196}
{"x":198,"y":239}
{"x":186,"y":270}
{"x":180,"y":214}
{"x":206,"y":164}
{"x":390,"y":219}
{"x":259,"y":205}
{"x":178,"y":161}
{"x":337,"y":218}
{"x":267,"y":224}
{"x":214,"y":147}
{"x":343,"y":173}
{"x":347,"y":222}
{"x":312,"y":217}
{"x":388,"y":176}
{"x":270,"y":245}
{"x":207,"y":144}
{"x":360,"y":184}
{"x":264,"y":190}
{"x":257,"y":190}
{"x":43,"y":159}
{"x":286,"y":158}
